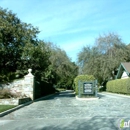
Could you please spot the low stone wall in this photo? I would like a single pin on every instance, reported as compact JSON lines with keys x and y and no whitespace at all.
{"x":23,"y":88}
{"x":26,"y":88}
{"x":14,"y":84}
{"x":14,"y":101}
{"x":18,"y":87}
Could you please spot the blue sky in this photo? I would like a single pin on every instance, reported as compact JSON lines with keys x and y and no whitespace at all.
{"x":72,"y":24}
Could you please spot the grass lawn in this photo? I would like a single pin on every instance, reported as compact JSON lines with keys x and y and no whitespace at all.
{"x":6,"y":107}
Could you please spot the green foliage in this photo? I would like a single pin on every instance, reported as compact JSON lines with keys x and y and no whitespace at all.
{"x":37,"y":58}
{"x":14,"y":35}
{"x":119,"y":86}
{"x":20,"y":50}
{"x":103,"y":88}
{"x":100,"y":60}
{"x":42,"y":89}
{"x":7,"y":76}
{"x":82,"y":78}
{"x":14,"y":38}
{"x":62,"y":69}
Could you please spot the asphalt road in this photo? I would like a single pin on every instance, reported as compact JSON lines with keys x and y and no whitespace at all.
{"x":64,"y":112}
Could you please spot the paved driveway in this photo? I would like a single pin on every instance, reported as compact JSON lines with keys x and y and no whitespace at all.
{"x":63,"y":111}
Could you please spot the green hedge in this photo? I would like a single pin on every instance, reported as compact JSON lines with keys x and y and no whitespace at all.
{"x":119,"y":86}
{"x":82,"y":78}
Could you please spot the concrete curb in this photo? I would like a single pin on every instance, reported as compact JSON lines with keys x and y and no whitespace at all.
{"x":115,"y":94}
{"x":22,"y":105}
{"x":15,"y":108}
{"x":45,"y":97}
{"x":87,"y":99}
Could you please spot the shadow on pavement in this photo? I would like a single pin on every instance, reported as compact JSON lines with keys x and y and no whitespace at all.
{"x":101,"y":96}
{"x":63,"y":94}
{"x":66,"y":94}
{"x":94,"y":123}
{"x":86,"y":124}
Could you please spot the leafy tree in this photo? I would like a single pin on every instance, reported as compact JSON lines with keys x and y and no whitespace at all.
{"x":14,"y":35}
{"x":37,"y":58}
{"x":104,"y":57}
{"x":62,"y":69}
{"x":127,"y":53}
{"x":20,"y":49}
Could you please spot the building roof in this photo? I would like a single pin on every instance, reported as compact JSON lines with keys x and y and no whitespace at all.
{"x":123,"y":67}
{"x":127,"y":66}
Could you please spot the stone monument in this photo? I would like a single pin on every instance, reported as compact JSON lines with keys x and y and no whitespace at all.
{"x":87,"y":89}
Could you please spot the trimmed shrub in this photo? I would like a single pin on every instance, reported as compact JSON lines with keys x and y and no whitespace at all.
{"x":119,"y":86}
{"x":82,"y":78}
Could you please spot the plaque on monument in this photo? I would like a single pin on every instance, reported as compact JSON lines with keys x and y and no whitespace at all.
{"x":88,"y":88}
